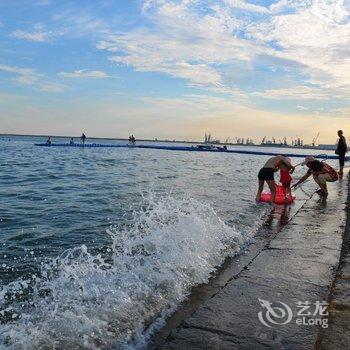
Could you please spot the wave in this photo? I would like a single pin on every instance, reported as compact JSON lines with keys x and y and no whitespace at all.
{"x":118,"y":297}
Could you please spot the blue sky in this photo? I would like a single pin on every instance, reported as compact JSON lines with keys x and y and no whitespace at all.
{"x":175,"y":68}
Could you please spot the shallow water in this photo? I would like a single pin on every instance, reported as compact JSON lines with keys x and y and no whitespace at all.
{"x":98,"y":246}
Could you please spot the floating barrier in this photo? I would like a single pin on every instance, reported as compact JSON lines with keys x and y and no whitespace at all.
{"x":200,"y":148}
{"x":280,"y":197}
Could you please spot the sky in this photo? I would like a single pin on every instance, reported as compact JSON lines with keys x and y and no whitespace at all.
{"x":176,"y":68}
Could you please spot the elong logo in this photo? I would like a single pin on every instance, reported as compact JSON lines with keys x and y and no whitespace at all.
{"x":279,"y":313}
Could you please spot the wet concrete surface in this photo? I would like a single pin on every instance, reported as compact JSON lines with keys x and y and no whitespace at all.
{"x":337,"y":335}
{"x":294,"y":259}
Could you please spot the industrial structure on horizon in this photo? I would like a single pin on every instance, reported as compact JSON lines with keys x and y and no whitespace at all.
{"x":270,"y":142}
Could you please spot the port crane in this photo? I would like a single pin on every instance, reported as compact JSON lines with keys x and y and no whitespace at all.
{"x":315,"y":139}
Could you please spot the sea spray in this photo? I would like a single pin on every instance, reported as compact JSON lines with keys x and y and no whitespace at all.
{"x":116,"y":299}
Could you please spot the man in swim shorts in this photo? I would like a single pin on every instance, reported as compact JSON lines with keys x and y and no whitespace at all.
{"x":267,"y":172}
{"x":321,"y":172}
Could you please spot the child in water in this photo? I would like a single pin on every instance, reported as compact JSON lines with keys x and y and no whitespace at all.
{"x":286,"y":178}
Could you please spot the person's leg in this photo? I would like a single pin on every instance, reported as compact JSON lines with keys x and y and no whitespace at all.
{"x":286,"y":188}
{"x":320,"y":180}
{"x":260,"y":189}
{"x":272,"y":186}
{"x":341,"y":164}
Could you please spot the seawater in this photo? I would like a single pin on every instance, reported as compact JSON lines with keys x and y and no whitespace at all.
{"x":99,"y":246}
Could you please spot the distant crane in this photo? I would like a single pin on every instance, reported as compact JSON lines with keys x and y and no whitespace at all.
{"x":315,"y":139}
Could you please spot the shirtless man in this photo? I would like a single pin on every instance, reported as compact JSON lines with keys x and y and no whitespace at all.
{"x":267,"y":172}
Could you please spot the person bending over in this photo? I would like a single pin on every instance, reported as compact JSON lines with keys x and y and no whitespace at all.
{"x":267,"y":172}
{"x":321,"y":172}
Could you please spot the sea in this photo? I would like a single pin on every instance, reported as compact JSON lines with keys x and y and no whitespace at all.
{"x":99,"y":246}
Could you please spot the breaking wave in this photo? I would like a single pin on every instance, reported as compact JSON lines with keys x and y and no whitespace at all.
{"x":117,"y":297}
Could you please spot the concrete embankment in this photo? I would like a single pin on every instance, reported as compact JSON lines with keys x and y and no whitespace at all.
{"x":337,"y":335}
{"x":272,"y":297}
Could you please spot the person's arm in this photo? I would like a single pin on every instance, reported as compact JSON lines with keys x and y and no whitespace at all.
{"x":287,"y":162}
{"x":302,"y":179}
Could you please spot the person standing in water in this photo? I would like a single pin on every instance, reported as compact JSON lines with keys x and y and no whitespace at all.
{"x":267,"y":172}
{"x":83,"y":138}
{"x":286,"y":178}
{"x":342,"y":148}
{"x":48,"y":141}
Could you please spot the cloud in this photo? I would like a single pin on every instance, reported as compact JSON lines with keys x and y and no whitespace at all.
{"x":94,"y":74}
{"x":302,"y":108}
{"x":30,"y":36}
{"x":202,"y":42}
{"x":182,"y":44}
{"x":25,"y":76}
{"x":314,"y":34}
{"x":76,"y":24}
{"x":27,"y":79}
{"x":340,"y":112}
{"x":294,"y":93}
{"x":17,"y":70}
{"x":29,"y":76}
{"x":243,"y":5}
{"x":52,"y":87}
{"x":38,"y":34}
{"x":210,"y":43}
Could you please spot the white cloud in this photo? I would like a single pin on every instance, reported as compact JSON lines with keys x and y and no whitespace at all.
{"x":213,"y":44}
{"x":247,"y":6}
{"x":17,"y":70}
{"x":316,"y":35}
{"x":52,"y":87}
{"x":28,"y":76}
{"x":25,"y":76}
{"x":200,"y":47}
{"x":183,"y":44}
{"x":94,"y":74}
{"x":26,"y":79}
{"x":294,"y":93}
{"x":340,"y":112}
{"x":302,"y":108}
{"x":38,"y":36}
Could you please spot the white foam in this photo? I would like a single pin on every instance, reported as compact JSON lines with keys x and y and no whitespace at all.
{"x":84,"y":300}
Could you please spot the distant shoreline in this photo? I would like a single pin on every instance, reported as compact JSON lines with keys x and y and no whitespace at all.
{"x":320,"y":147}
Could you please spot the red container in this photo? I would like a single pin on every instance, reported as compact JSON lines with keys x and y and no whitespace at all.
{"x":280,"y":197}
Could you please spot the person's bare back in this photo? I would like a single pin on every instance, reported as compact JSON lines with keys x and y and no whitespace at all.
{"x":276,"y":162}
